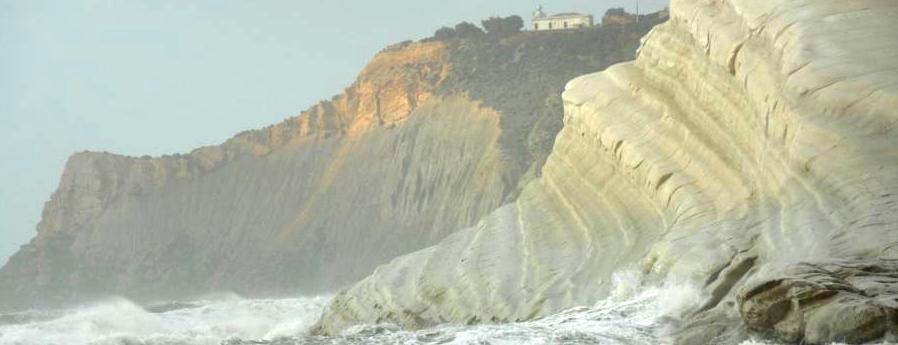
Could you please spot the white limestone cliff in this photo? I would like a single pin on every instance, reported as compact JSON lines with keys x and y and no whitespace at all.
{"x":432,"y":137}
{"x":751,"y":149}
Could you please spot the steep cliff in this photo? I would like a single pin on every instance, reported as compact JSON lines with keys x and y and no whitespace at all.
{"x":750,"y":150}
{"x":415,"y":149}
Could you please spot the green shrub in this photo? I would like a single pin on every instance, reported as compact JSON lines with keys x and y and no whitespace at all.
{"x":444,"y":33}
{"x":503,"y":26}
{"x":465,"y":29}
{"x":522,"y":75}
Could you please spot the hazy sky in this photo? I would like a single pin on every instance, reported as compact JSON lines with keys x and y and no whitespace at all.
{"x":165,"y":76}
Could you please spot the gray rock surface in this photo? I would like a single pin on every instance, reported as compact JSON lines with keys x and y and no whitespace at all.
{"x":750,"y":141}
{"x":421,"y":145}
{"x":276,"y":210}
{"x":825,"y":302}
{"x":261,"y":224}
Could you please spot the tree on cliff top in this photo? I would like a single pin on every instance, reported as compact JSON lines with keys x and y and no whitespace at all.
{"x":461,"y":30}
{"x":444,"y":33}
{"x":503,"y":26}
{"x":465,"y":29}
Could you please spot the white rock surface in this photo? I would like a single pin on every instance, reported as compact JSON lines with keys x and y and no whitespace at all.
{"x":748,"y":136}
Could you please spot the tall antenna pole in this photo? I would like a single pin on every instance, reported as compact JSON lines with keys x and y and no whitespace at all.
{"x":637,"y":11}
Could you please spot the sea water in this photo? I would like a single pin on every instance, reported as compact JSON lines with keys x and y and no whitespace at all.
{"x":202,"y":322}
{"x":630,"y":316}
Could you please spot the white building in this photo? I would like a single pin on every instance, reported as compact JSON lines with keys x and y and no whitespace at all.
{"x":542,"y":21}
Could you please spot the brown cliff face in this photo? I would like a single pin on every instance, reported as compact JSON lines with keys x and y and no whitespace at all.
{"x":386,"y":92}
{"x":388,"y":89}
{"x":395,"y":83}
{"x":400,"y":160}
{"x":271,"y":207}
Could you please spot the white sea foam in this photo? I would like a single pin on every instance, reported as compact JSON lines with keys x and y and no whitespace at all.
{"x":205,"y":322}
{"x":633,"y":315}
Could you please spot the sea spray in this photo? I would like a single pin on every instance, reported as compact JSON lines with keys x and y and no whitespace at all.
{"x":633,"y":314}
{"x":204,"y":322}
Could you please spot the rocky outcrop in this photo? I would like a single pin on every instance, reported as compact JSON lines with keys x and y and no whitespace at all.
{"x":269,"y":211}
{"x":748,"y":150}
{"x":825,"y":302}
{"x":415,"y":149}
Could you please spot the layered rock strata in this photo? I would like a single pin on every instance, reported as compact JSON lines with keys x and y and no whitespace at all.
{"x":415,"y":149}
{"x":270,"y":211}
{"x":750,"y":150}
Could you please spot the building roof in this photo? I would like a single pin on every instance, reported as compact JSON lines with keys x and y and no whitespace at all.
{"x":568,"y":14}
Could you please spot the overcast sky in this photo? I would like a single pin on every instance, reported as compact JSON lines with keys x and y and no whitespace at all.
{"x":165,"y":76}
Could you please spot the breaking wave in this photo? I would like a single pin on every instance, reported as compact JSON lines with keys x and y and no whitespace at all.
{"x":631,"y":316}
{"x":205,"y":322}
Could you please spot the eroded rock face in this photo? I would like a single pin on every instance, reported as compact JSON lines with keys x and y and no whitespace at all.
{"x":825,"y":302}
{"x":260,"y":223}
{"x":269,"y":211}
{"x":748,"y":136}
{"x":403,"y":158}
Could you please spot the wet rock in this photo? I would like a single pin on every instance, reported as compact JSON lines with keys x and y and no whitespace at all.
{"x":167,"y":307}
{"x":824,"y":302}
